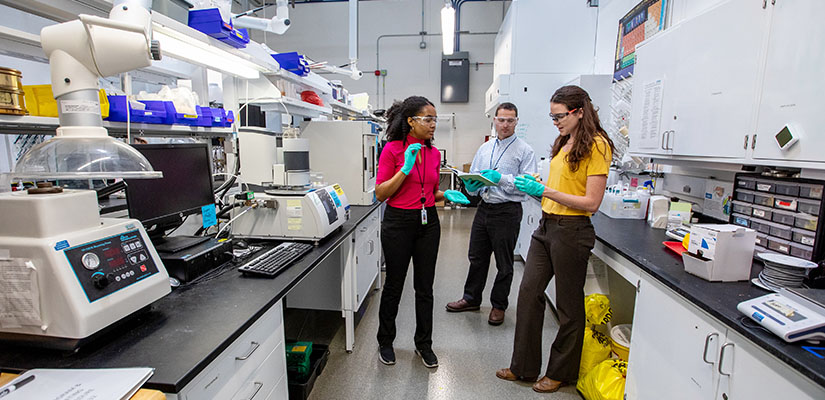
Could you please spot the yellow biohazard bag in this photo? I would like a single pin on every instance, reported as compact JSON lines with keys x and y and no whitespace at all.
{"x":605,"y":381}
{"x":597,"y":309}
{"x":596,"y":348}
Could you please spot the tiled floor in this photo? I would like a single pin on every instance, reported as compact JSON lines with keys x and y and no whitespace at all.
{"x":469,"y":350}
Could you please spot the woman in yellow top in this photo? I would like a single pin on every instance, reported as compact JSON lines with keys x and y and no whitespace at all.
{"x":561,"y":245}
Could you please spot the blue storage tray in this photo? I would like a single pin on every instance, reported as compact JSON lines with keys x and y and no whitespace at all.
{"x":239,"y":38}
{"x":204,"y":116}
{"x":292,"y":62}
{"x":180,"y":118}
{"x":209,"y":22}
{"x":218,"y":117}
{"x":229,"y":120}
{"x":155,"y":112}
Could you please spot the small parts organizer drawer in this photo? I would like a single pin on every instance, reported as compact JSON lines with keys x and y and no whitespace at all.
{"x":785,"y":212}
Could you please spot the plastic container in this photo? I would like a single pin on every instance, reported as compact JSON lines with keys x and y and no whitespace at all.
{"x":742,"y":220}
{"x":761,"y":240}
{"x":299,"y":389}
{"x":154,"y":113}
{"x":803,"y":236}
{"x":811,"y":191}
{"x":765,"y":186}
{"x":762,"y":212}
{"x":763,"y":199}
{"x":41,"y":102}
{"x":180,"y":118}
{"x":806,"y":221}
{"x":297,"y":358}
{"x":808,"y":206}
{"x":218,"y":117}
{"x":779,"y":245}
{"x":293,"y":62}
{"x":745,"y":195}
{"x":760,"y":226}
{"x":238,"y":38}
{"x":783,"y":217}
{"x":787,"y":188}
{"x":209,"y":21}
{"x":742,"y":208}
{"x":230,"y":119}
{"x":204,"y":116}
{"x":746,"y":182}
{"x":802,"y":251}
{"x":620,"y":340}
{"x":785,"y":203}
{"x":780,"y":231}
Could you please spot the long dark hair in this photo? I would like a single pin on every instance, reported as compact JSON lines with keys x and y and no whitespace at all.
{"x":397,"y":126}
{"x":588,"y":129}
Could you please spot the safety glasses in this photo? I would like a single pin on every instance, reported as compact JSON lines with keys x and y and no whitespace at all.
{"x":560,"y":116}
{"x":505,"y":120}
{"x":426,"y":119}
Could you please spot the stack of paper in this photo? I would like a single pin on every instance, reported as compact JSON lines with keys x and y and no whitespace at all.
{"x":76,"y":384}
{"x":473,"y":177}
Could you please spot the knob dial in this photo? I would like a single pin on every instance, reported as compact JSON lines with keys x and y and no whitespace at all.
{"x":99,"y":280}
{"x":90,"y":261}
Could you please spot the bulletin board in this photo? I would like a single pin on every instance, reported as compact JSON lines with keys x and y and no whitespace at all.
{"x":642,"y":22}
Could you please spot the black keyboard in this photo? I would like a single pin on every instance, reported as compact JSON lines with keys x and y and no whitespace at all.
{"x":275,"y":260}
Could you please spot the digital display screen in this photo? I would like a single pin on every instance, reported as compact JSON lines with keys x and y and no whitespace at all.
{"x":784,"y":136}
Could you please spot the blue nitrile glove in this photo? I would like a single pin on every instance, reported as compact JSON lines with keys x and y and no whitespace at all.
{"x":529,"y":186}
{"x":409,"y":157}
{"x":472,"y":185}
{"x":456,"y":197}
{"x":492,"y":175}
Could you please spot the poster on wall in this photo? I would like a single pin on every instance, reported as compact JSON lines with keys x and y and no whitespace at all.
{"x":642,"y":22}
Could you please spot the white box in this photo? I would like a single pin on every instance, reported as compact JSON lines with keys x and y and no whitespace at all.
{"x":720,"y":252}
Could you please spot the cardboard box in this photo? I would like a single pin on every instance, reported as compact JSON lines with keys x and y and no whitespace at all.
{"x":720,"y":252}
{"x":466,"y":167}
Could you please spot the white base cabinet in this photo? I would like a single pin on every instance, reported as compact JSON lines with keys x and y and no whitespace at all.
{"x":530,"y":217}
{"x":680,"y":352}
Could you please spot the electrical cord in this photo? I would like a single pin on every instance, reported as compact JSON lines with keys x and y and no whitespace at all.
{"x":218,"y":235}
{"x":220,"y":214}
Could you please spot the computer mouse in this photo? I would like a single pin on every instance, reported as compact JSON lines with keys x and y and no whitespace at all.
{"x":240,"y":244}
{"x":174,"y":282}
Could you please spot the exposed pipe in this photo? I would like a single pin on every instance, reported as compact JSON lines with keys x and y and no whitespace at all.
{"x":457,"y":5}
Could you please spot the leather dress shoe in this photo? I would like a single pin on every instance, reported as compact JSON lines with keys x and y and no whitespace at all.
{"x":508,"y":375}
{"x":496,"y":317}
{"x":547,"y":385}
{"x":461,"y":305}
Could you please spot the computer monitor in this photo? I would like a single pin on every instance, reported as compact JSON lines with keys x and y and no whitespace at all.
{"x":186,"y":186}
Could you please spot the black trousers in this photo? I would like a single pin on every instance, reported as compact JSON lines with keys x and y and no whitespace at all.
{"x":559,"y":247}
{"x":495,"y":231}
{"x":403,"y":237}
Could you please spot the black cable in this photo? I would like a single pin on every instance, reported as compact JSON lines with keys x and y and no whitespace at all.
{"x":220,"y":214}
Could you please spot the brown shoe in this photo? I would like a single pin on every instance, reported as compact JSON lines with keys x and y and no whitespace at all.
{"x":508,"y":375}
{"x":461,"y":305}
{"x":496,"y":317}
{"x":547,"y":385}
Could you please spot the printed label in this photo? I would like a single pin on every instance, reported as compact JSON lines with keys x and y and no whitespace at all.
{"x":79,"y":106}
{"x":63,"y":244}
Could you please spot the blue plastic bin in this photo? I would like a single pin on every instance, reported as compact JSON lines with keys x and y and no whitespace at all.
{"x":239,"y":38}
{"x":229,"y":120}
{"x":180,"y":118}
{"x":292,"y":62}
{"x":209,"y":22}
{"x":155,"y":112}
{"x":204,"y":116}
{"x":218,"y":117}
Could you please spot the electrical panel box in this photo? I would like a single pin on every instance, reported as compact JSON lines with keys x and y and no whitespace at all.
{"x":455,"y":77}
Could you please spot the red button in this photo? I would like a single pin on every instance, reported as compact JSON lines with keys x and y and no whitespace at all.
{"x":142,"y":268}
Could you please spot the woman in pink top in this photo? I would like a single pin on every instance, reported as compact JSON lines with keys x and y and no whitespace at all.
{"x":408,"y":175}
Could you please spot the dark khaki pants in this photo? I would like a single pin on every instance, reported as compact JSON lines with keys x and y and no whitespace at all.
{"x":560,"y":247}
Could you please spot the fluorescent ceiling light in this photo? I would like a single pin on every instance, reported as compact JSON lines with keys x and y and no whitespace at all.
{"x":448,"y":29}
{"x":197,"y":52}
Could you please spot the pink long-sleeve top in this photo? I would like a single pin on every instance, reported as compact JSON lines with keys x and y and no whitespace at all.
{"x":425,"y":170}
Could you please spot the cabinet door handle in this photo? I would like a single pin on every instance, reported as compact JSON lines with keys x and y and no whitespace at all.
{"x":662,"y":145}
{"x":255,"y":346}
{"x":705,"y":351}
{"x":745,"y":146}
{"x":669,"y":140}
{"x":753,"y":142}
{"x":764,"y":4}
{"x":258,"y":386}
{"x":372,"y":246}
{"x":722,"y":357}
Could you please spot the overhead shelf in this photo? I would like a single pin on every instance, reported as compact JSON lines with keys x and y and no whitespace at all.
{"x":346,"y":110}
{"x":26,"y":124}
{"x":291,"y":106}
{"x":311,"y":82}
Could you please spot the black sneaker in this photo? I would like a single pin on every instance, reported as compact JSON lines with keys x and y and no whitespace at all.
{"x":386,"y":355}
{"x":428,"y":357}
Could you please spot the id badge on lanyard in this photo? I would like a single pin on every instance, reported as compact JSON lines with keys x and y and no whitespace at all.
{"x":423,"y":209}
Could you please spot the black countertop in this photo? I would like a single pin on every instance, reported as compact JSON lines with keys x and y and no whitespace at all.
{"x":184,"y":331}
{"x":642,"y":245}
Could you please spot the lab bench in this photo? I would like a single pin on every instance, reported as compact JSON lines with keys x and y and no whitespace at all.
{"x":686,"y":329}
{"x":218,"y":336}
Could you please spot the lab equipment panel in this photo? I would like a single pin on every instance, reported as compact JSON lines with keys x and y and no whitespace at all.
{"x":107,"y":265}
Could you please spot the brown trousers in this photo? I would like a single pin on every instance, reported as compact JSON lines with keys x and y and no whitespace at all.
{"x":559,"y":247}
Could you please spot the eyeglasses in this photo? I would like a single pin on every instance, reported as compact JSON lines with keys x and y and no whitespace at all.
{"x":560,"y":116}
{"x":505,"y":120}
{"x":426,"y":120}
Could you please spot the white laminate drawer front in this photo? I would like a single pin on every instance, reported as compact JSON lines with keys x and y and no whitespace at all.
{"x":264,"y":380}
{"x":281,"y":392}
{"x":225,"y":375}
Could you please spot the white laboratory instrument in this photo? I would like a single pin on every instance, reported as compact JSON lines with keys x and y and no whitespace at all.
{"x":791,"y":314}
{"x":89,"y":271}
{"x":293,"y":215}
{"x":345,"y":152}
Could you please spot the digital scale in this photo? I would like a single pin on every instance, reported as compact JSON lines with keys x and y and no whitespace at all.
{"x":792,"y":314}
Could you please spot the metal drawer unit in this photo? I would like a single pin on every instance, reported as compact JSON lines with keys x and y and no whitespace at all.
{"x":785,"y":212}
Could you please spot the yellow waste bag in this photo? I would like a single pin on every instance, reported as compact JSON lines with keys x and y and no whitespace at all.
{"x":596,"y":349}
{"x":597,"y":309}
{"x":605,"y":381}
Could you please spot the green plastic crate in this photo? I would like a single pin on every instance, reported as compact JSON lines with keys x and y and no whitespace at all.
{"x":297,"y":358}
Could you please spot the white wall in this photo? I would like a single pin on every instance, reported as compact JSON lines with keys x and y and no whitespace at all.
{"x":321,"y":32}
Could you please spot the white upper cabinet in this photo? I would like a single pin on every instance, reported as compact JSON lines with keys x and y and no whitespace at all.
{"x":793,"y":88}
